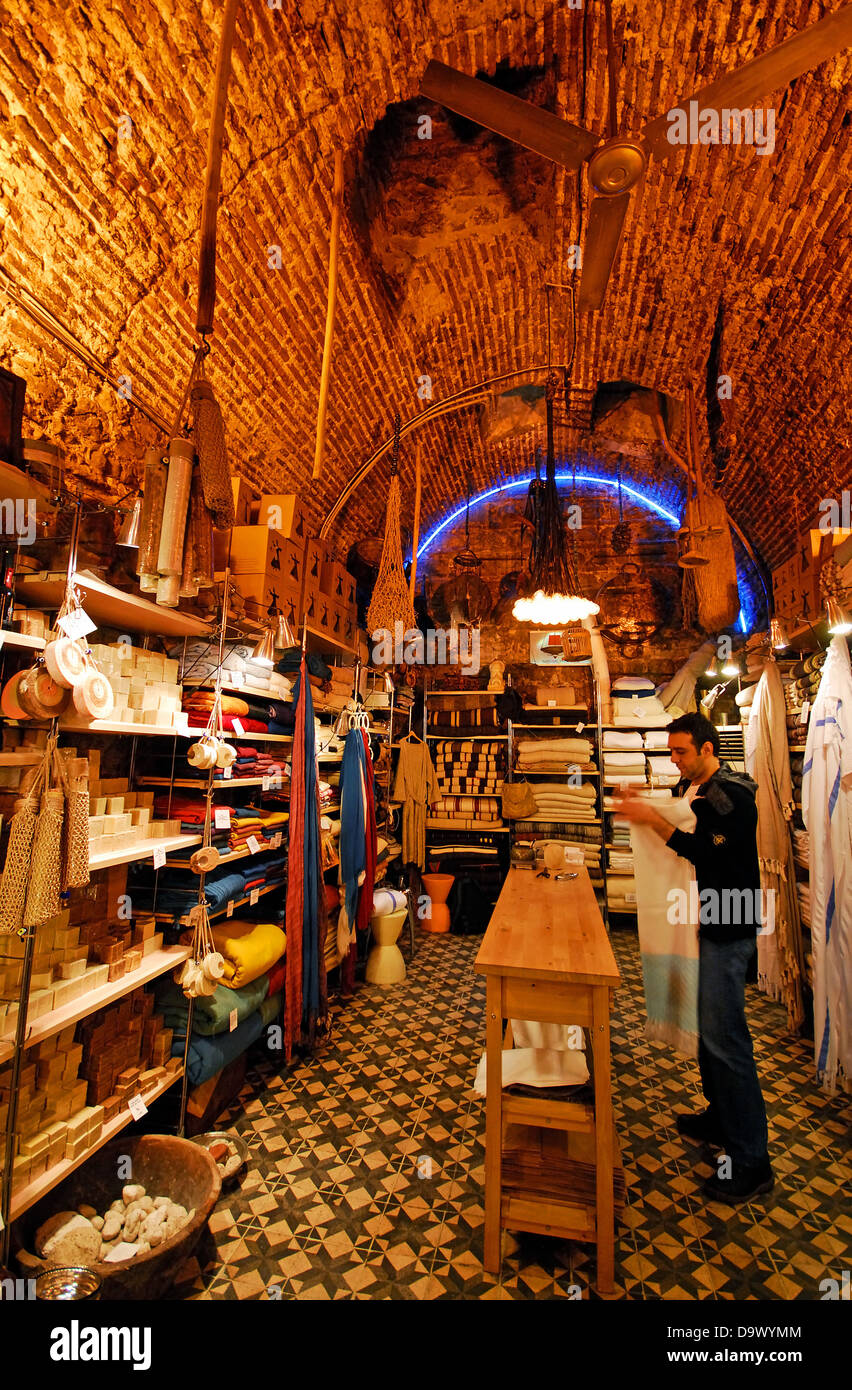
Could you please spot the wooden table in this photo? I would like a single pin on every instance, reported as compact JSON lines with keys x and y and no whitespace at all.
{"x":551,"y":1166}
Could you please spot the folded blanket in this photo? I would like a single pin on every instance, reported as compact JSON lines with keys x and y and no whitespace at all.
{"x":656,"y":739}
{"x":212,"y":1012}
{"x":208,"y":1055}
{"x":631,"y":760}
{"x":614,"y":739}
{"x":250,"y":949}
{"x":568,"y":747}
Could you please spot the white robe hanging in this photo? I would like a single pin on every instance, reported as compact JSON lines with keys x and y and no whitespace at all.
{"x":827,"y":812}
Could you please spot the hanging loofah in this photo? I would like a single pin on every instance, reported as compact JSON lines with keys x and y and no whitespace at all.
{"x":45,"y":877}
{"x":391,"y":601}
{"x":16,"y":872}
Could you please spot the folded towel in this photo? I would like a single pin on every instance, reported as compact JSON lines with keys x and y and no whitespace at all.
{"x":212,"y":1012}
{"x":614,"y":739}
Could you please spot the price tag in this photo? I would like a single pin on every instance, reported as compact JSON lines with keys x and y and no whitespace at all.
{"x":252,"y":844}
{"x":237,"y":727}
{"x":806,"y":709}
{"x":267,"y":783}
{"x":76,"y":624}
{"x":551,"y":704}
{"x":229,"y":910}
{"x":227,"y":773}
{"x":222,"y":818}
{"x":137,"y":1107}
{"x":580,"y":728}
{"x":159,"y":857}
{"x":276,"y":839}
{"x":236,"y":678}
{"x":254,"y":896}
{"x":232,"y":1020}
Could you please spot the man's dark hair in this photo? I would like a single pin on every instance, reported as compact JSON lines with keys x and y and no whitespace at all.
{"x":699,"y":728}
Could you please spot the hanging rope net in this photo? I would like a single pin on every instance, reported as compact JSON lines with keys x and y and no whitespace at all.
{"x":391,"y":601}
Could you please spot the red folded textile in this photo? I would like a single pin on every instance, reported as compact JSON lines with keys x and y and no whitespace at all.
{"x":276,"y":978}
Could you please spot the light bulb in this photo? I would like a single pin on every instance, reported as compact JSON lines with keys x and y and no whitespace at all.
{"x":839,"y":623}
{"x":553,"y":610}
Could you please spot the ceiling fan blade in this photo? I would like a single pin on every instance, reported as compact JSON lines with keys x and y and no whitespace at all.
{"x":769,"y":73}
{"x":606,"y":222}
{"x":519,"y":121}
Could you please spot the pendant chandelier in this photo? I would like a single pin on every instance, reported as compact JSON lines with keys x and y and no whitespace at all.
{"x":552,"y":596}
{"x":466,"y":597}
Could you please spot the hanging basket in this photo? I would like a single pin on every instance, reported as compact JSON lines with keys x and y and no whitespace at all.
{"x":576,"y":643}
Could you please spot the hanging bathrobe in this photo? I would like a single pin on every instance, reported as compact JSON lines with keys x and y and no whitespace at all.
{"x":780,"y":957}
{"x":827,"y":812}
{"x":416,"y":787}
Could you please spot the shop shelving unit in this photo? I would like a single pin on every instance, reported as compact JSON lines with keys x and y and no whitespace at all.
{"x":591,"y":728}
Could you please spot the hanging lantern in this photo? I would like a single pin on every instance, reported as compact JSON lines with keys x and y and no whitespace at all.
{"x":465,"y":598}
{"x":552,"y":595}
{"x":621,"y":532}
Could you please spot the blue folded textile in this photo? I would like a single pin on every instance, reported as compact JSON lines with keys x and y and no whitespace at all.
{"x":212,"y":1012}
{"x":207,"y":1056}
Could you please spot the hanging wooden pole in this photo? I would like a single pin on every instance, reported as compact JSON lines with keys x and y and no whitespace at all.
{"x":334,"y":244}
{"x":207,"y":253}
{"x":418,"y":489}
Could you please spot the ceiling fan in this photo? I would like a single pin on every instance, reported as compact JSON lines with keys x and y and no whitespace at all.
{"x":617,"y":165}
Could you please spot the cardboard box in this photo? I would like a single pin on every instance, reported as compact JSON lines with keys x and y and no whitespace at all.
{"x":284,"y":512}
{"x":333,"y":581}
{"x":316,"y":554}
{"x":245,"y":499}
{"x":253,"y":550}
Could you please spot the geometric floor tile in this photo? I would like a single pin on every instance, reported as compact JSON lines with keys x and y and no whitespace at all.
{"x":366,"y":1164}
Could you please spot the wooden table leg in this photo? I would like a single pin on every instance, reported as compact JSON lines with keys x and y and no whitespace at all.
{"x":493,"y":1122}
{"x":604,"y":1195}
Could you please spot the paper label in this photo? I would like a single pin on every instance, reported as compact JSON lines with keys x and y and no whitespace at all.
{"x":254,"y":896}
{"x":276,"y":840}
{"x":252,"y":845}
{"x":580,"y":728}
{"x":227,"y":773}
{"x":76,"y":624}
{"x":229,"y":910}
{"x":551,"y":704}
{"x":232,"y":1020}
{"x":237,"y":727}
{"x":137,"y":1107}
{"x":806,"y":709}
{"x":222,"y":818}
{"x":236,"y":678}
{"x":267,"y":783}
{"x":630,"y":897}
{"x":159,"y":857}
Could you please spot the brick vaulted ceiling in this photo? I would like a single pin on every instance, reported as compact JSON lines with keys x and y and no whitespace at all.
{"x":446,"y":243}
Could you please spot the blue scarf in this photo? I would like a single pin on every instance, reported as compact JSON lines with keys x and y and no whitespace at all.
{"x":353,"y":829}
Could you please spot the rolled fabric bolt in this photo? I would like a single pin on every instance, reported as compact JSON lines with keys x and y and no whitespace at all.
{"x":154,"y":497}
{"x":175,"y":509}
{"x":168,"y":590}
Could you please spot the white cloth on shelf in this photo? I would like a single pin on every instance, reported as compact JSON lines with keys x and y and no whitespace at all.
{"x":616,"y":740}
{"x":656,"y":738}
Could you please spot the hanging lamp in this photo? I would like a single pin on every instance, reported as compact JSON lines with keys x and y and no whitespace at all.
{"x":466,"y":597}
{"x":621,"y":532}
{"x":553,"y":596}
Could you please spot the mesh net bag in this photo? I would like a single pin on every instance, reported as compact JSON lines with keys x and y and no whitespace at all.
{"x":74,"y":773}
{"x":45,"y":868}
{"x":212,"y":455}
{"x":13,"y":889}
{"x":391,"y":601}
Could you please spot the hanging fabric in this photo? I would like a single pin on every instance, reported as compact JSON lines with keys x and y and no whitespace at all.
{"x":416,"y":786}
{"x":305,"y":999}
{"x":365,"y":904}
{"x":827,"y":813}
{"x":780,"y":958}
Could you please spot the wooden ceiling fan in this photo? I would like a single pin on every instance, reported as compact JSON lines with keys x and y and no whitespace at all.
{"x":617,"y":165}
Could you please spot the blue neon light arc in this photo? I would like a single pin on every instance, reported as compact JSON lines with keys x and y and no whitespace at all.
{"x":640,"y":497}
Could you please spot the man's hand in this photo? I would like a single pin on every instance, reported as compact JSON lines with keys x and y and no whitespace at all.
{"x":640,"y":811}
{"x":637,"y":809}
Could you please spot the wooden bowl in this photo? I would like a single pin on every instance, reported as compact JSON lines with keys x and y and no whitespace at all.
{"x":167,"y":1167}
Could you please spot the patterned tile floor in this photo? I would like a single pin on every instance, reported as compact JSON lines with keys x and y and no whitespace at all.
{"x":366,"y":1171}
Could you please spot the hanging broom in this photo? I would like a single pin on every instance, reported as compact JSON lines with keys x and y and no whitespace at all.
{"x":708,"y":551}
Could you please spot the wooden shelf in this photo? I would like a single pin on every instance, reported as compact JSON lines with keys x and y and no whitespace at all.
{"x":109,"y":858}
{"x":115,"y":726}
{"x":552,"y":820}
{"x":218,"y":911}
{"x":200,"y":784}
{"x":155,"y":964}
{"x":252,"y":736}
{"x":19,"y":639}
{"x":17,"y":484}
{"x":45,"y":1182}
{"x":233,"y":855}
{"x":320,"y":641}
{"x":108,"y":606}
{"x":457,"y":737}
{"x":199,"y":682}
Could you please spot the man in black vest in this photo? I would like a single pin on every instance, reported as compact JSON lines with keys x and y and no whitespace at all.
{"x":723,"y":850}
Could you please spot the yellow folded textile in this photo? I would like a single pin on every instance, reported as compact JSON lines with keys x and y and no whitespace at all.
{"x":231,"y":704}
{"x":249,"y":948}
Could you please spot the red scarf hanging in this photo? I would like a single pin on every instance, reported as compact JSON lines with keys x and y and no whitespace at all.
{"x":295,"y":880}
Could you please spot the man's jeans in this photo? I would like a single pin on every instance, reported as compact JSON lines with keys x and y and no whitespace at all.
{"x":725,"y":1052}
